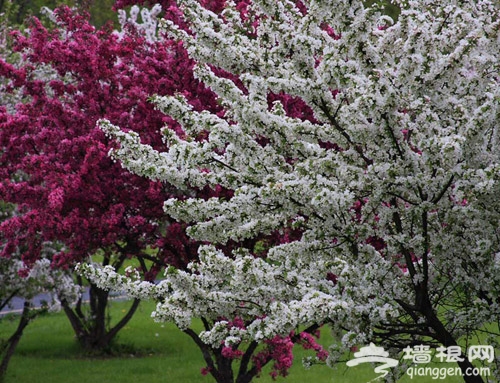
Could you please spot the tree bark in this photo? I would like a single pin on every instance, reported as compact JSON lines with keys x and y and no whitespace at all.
{"x":221,"y":368}
{"x":444,"y":336}
{"x":13,"y":341}
{"x":92,"y":330}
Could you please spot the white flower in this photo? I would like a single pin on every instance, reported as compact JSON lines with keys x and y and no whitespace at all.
{"x":393,"y":181}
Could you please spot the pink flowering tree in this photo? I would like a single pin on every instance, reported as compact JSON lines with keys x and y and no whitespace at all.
{"x":17,"y":281}
{"x":54,"y":163}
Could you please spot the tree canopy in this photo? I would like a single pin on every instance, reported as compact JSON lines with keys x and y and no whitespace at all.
{"x":54,"y":162}
{"x":392,"y":184}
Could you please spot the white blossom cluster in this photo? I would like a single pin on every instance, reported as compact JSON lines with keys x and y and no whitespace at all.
{"x":412,"y":106}
{"x":147,"y":26}
{"x":41,"y":278}
{"x":256,"y":292}
{"x":19,"y":280}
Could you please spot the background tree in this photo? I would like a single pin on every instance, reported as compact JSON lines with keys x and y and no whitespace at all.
{"x":393,"y":184}
{"x":18,"y":281}
{"x":100,"y":11}
{"x":54,"y":163}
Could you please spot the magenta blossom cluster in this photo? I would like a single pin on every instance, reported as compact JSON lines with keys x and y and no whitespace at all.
{"x":54,"y":161}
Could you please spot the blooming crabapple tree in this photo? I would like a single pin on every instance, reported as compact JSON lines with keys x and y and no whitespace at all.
{"x":224,"y":347}
{"x":54,"y":163}
{"x":394,"y":183}
{"x":17,"y":281}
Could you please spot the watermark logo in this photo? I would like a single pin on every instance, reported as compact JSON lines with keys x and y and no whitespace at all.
{"x":374,"y":354}
{"x":423,"y":354}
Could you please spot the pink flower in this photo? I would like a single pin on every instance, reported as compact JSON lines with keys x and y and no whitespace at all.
{"x":229,"y":353}
{"x":23,"y":273}
{"x":56,"y":199}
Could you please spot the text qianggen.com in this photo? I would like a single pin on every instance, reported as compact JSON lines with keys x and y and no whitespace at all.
{"x":444,"y":372}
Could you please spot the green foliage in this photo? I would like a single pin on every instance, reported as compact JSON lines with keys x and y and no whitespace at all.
{"x":388,"y":7}
{"x":100,"y":11}
{"x":25,"y":8}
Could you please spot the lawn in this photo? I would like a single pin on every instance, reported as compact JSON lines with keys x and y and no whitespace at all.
{"x":151,"y":353}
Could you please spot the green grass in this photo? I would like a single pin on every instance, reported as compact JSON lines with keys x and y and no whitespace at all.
{"x":151,"y":353}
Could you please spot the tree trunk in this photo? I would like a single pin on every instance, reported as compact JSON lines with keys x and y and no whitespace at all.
{"x":13,"y":341}
{"x":444,"y":336}
{"x":467,"y":365}
{"x":92,"y":330}
{"x":224,"y":366}
{"x":219,"y":367}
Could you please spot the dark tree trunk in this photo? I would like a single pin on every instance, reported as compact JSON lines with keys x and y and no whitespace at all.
{"x":423,"y":305}
{"x":221,"y":368}
{"x":92,"y":330}
{"x":13,"y":341}
{"x":221,"y":372}
{"x":444,"y":337}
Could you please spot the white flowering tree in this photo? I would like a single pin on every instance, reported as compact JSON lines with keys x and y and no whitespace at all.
{"x":18,"y":281}
{"x":393,"y":184}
